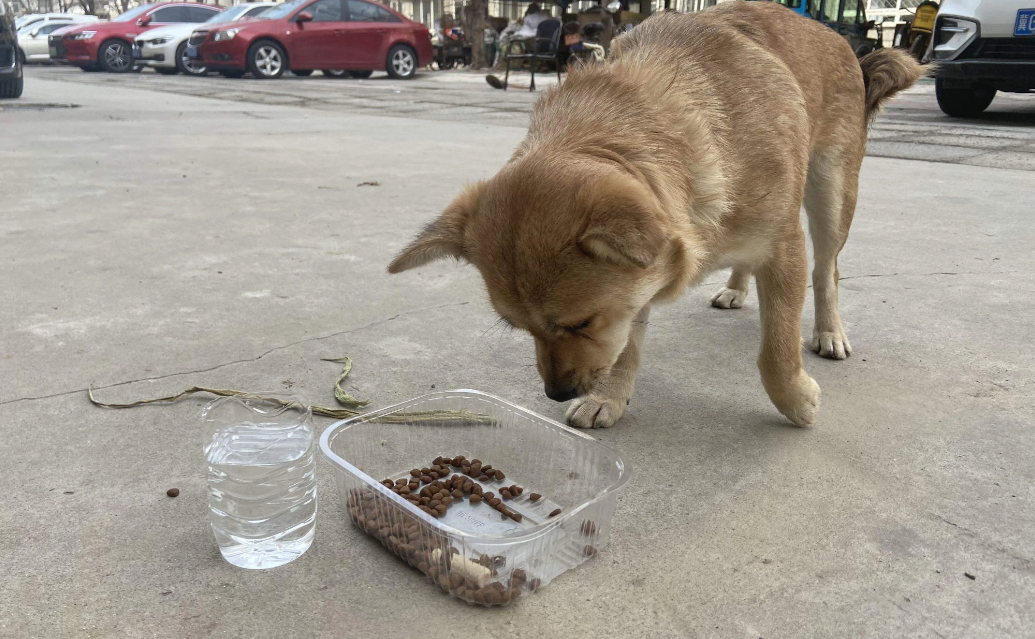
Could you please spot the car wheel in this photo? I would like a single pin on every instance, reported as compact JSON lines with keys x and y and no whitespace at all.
{"x":266,"y":60}
{"x":184,"y":64}
{"x":360,"y":75}
{"x":166,"y":70}
{"x":305,"y":73}
{"x":12,"y":88}
{"x":402,"y":62}
{"x":966,"y":102}
{"x":231,"y":73}
{"x":335,"y":73}
{"x":21,"y":55}
{"x":115,"y":56}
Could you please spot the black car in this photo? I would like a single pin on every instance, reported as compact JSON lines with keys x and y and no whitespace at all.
{"x":10,"y":62}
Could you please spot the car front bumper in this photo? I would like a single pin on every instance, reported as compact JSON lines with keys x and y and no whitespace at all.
{"x":160,"y":55}
{"x":1006,"y":75}
{"x":221,"y":55}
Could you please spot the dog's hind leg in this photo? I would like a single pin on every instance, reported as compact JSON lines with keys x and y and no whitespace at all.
{"x":606,"y":403}
{"x":830,"y":196}
{"x":782,"y":281}
{"x":736,"y":290}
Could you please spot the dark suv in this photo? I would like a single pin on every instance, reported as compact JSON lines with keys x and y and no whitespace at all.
{"x":10,"y":61}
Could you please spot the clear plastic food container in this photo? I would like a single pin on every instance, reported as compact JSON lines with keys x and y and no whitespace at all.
{"x":473,"y":551}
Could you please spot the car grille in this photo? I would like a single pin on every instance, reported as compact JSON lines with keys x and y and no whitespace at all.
{"x":6,"y":56}
{"x":1001,"y":49}
{"x":58,"y":44}
{"x":197,"y":38}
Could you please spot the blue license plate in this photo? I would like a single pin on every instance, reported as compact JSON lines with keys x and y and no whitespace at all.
{"x":192,"y":52}
{"x":136,"y":53}
{"x":1025,"y":25}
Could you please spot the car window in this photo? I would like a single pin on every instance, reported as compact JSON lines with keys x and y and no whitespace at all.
{"x":201,"y":14}
{"x":326,"y":11}
{"x":360,"y":11}
{"x":133,"y":14}
{"x":257,"y":11}
{"x":171,"y":14}
{"x":54,"y":26}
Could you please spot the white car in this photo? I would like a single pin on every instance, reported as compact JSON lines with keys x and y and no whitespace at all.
{"x":164,"y":49}
{"x":32,"y":39}
{"x":33,"y":34}
{"x":981,"y":47}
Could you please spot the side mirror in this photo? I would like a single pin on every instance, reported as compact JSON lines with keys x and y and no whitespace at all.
{"x":146,"y":20}
{"x":305,"y":16}
{"x":34,"y":33}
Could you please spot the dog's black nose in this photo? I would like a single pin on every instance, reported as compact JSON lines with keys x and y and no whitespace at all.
{"x":560,"y":393}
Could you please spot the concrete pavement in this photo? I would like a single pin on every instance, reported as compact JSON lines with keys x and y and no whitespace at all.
{"x":155,"y":240}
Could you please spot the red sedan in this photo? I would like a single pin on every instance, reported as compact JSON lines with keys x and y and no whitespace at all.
{"x":108,"y":46}
{"x":302,"y":35}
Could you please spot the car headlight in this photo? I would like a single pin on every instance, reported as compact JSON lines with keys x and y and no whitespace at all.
{"x":158,"y":41}
{"x":223,"y":36}
{"x":951,"y":36}
{"x":84,"y":35}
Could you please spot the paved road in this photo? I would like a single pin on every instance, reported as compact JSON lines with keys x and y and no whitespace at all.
{"x":912,"y":127}
{"x":153,"y":240}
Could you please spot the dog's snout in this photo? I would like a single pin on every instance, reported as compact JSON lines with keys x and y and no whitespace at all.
{"x":560,"y":393}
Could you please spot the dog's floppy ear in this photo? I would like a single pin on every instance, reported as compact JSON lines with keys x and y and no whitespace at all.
{"x":443,"y":237}
{"x":623,"y":225}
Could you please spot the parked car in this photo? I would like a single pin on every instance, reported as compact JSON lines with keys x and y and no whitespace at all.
{"x":108,"y":46}
{"x":34,"y":38}
{"x":164,"y":49}
{"x":303,"y":35}
{"x":11,"y":80}
{"x":981,"y":47}
{"x":39,"y":18}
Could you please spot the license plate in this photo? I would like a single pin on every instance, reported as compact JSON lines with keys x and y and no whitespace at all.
{"x":53,"y":52}
{"x":192,"y":52}
{"x":136,"y":53}
{"x":1025,"y":25}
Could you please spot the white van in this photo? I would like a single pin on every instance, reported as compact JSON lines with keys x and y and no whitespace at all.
{"x":980,"y":47}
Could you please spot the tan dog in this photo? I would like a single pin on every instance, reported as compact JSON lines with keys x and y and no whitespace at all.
{"x":691,"y":149}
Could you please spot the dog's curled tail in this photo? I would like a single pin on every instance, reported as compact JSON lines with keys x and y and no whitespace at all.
{"x":885,"y":73}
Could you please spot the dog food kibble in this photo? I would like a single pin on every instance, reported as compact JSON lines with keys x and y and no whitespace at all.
{"x":173,"y":492}
{"x":426,"y":478}
{"x":488,"y":496}
{"x":486,"y":468}
{"x":505,"y":493}
{"x":515,"y":516}
{"x":388,"y":483}
{"x":458,"y":494}
{"x":447,"y":501}
{"x":516,"y":490}
{"x":415,"y":473}
{"x":589,"y":550}
{"x":534,"y":496}
{"x":495,"y":501}
{"x":499,"y":475}
{"x":475,"y":499}
{"x":589,"y":528}
{"x":555,"y":512}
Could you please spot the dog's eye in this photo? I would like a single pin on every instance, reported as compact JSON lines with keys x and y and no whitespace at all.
{"x":578,"y":327}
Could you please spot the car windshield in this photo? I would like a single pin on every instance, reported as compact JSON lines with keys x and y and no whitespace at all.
{"x":283,"y":10}
{"x":231,"y":14}
{"x":132,"y":14}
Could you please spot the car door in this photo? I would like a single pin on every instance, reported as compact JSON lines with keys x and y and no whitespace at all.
{"x":369,"y":28}
{"x":37,"y":45}
{"x":320,"y":42}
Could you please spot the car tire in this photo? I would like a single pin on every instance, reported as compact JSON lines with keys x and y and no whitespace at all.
{"x":12,"y":88}
{"x":21,"y":55}
{"x":231,"y":73}
{"x":267,"y":60}
{"x":115,"y":56}
{"x":335,"y":73}
{"x":360,"y":75}
{"x":402,"y":62}
{"x":166,"y":70}
{"x":966,"y":102}
{"x":305,"y":73}
{"x":185,"y":65}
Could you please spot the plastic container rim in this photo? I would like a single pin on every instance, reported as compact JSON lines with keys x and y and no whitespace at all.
{"x":523,"y":535}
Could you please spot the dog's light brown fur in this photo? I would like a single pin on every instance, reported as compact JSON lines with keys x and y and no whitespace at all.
{"x":691,"y":149}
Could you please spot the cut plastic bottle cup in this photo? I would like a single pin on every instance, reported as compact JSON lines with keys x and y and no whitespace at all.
{"x":472,"y":551}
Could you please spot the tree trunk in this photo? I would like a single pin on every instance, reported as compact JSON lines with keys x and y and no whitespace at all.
{"x":474,"y":29}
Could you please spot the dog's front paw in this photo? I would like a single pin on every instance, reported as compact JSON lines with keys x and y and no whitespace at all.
{"x":799,"y":402}
{"x":729,"y":298}
{"x":831,"y":344}
{"x":595,"y":411}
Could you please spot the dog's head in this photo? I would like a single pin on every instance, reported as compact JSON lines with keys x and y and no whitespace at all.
{"x":569,"y":252}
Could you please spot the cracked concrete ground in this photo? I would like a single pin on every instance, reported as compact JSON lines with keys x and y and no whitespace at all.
{"x":151,"y":241}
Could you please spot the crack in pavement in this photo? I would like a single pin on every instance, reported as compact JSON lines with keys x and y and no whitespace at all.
{"x":239,"y":361}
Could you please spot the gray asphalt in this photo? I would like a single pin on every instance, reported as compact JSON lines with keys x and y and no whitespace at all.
{"x":152,"y":239}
